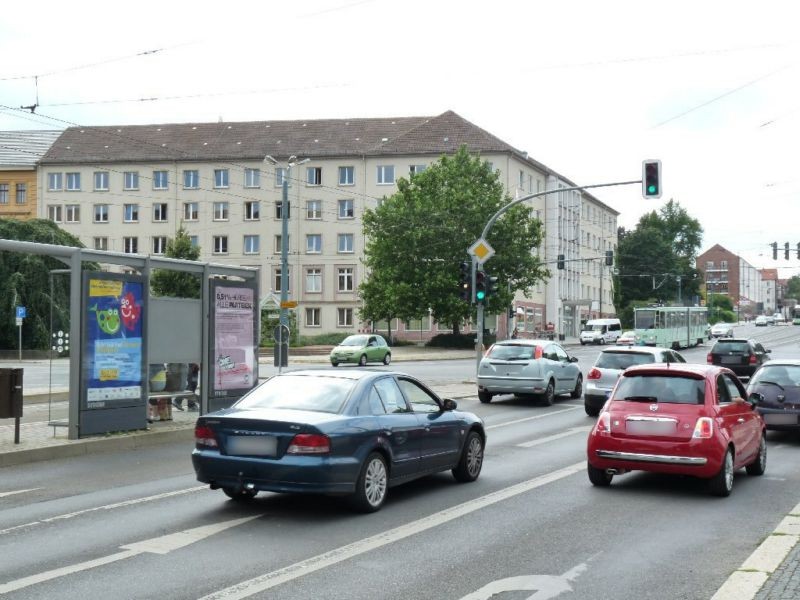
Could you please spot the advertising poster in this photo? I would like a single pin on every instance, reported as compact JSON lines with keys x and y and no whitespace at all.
{"x":234,"y":366}
{"x":113,"y":360}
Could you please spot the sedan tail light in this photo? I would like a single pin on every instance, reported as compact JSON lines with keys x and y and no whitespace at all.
{"x":309,"y":443}
{"x":594,"y":373}
{"x":603,"y":426}
{"x":204,"y":436}
{"x":753,"y":359}
{"x":709,"y":358}
{"x":703,"y":429}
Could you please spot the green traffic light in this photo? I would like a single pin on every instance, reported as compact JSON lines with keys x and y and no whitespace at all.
{"x":480,"y":295}
{"x":651,"y":189}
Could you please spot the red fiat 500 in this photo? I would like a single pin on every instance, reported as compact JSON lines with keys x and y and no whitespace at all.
{"x":678,"y":418}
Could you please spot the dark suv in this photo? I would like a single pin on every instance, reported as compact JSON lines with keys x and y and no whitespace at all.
{"x":741,"y":356}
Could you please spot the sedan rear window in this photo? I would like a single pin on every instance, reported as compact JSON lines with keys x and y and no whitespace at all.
{"x":512,"y":352}
{"x":318,"y":394}
{"x":731,"y":347}
{"x":623,"y":360}
{"x":782,"y":375}
{"x":660,"y":388}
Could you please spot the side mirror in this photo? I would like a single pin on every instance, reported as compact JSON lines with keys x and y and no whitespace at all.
{"x":573,"y":359}
{"x":755,"y":398}
{"x":768,"y":351}
{"x":449,"y":404}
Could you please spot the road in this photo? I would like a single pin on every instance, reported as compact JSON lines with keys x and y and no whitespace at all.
{"x":137,"y":524}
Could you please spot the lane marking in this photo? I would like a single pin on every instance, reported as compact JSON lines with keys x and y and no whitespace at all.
{"x":4,"y":494}
{"x":523,"y":420}
{"x":556,"y":436}
{"x":545,"y":586}
{"x":275,"y":578}
{"x":105,"y":507}
{"x":160,"y":545}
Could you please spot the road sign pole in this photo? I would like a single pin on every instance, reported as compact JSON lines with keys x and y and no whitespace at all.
{"x":19,"y":325}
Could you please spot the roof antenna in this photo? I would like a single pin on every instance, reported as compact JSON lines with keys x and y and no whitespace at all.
{"x":33,"y":106}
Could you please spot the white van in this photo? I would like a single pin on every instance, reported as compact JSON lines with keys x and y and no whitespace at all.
{"x":601,"y":331}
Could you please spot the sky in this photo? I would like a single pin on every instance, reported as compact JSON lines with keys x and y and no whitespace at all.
{"x":588,"y":88}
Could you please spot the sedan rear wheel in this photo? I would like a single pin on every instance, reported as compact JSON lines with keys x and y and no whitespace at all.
{"x":484,"y":397}
{"x":578,"y":391}
{"x":722,"y":483}
{"x":239,"y":494}
{"x":471,"y":461}
{"x":362,"y":362}
{"x":372,"y":484}
{"x":759,"y":464}
{"x":599,"y":477}
{"x":549,"y":393}
{"x":591,"y":410}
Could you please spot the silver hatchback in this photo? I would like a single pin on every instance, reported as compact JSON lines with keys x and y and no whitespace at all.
{"x":538,"y":368}
{"x":610,"y":364}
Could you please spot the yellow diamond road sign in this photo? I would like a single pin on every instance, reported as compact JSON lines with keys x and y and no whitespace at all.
{"x":481,"y":250}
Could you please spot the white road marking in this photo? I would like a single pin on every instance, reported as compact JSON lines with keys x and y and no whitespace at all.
{"x":556,"y":436}
{"x":105,"y":507}
{"x":546,"y":586}
{"x":523,"y":420}
{"x":4,"y":494}
{"x":270,"y":580}
{"x":159,"y":545}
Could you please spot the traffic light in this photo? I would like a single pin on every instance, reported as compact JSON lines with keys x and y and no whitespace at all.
{"x":651,"y":178}
{"x":798,"y":251}
{"x":480,"y":286}
{"x":465,"y":282}
{"x":609,"y":258}
{"x":774,"y":250}
{"x":491,"y":286}
{"x":786,"y":251}
{"x":560,"y":262}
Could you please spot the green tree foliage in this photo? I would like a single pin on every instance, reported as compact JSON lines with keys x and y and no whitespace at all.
{"x":25,"y":281}
{"x":793,"y":287}
{"x":417,"y":238}
{"x":662,"y":247}
{"x":177,"y":284}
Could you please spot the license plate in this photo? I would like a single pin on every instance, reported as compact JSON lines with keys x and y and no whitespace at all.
{"x":650,"y":427}
{"x":731,"y":360}
{"x":252,"y":445}
{"x":780,"y":419}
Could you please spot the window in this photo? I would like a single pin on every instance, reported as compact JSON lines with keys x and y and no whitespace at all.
{"x":54,"y":213}
{"x":130,"y":213}
{"x":220,"y":178}
{"x":252,"y":210}
{"x":252,"y":178}
{"x":101,"y":213}
{"x":313,"y":243}
{"x":281,"y":174}
{"x":723,"y":265}
{"x":344,"y":317}
{"x":160,"y":180}
{"x":101,"y":243}
{"x":709,"y":264}
{"x":279,"y":211}
{"x":195,"y":241}
{"x":191,"y":180}
{"x":55,"y":182}
{"x":278,"y":246}
{"x":314,"y":209}
{"x":220,"y":211}
{"x":521,"y":182}
{"x":22,"y":193}
{"x":385,"y":174}
{"x":191,"y":211}
{"x":346,"y":175}
{"x":159,"y":244}
{"x":73,"y":182}
{"x":345,"y":243}
{"x":346,"y":209}
{"x":277,"y":280}
{"x":251,"y":244}
{"x":420,"y":400}
{"x":389,"y":394}
{"x":312,"y":317}
{"x":130,"y":180}
{"x":416,"y":169}
{"x":130,"y":245}
{"x":160,"y":212}
{"x":345,"y":278}
{"x":72,"y":213}
{"x":313,"y":175}
{"x":101,"y":181}
{"x":3,"y":193}
{"x":314,"y":280}
{"x":220,"y":244}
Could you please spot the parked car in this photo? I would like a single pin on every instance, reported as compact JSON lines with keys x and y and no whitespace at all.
{"x":610,"y":364}
{"x":720,"y":330}
{"x":361,"y":349}
{"x":776,"y":387}
{"x":628,"y":338}
{"x":761,"y":321}
{"x":740,"y":355}
{"x":325,"y":432}
{"x":538,"y":368}
{"x":679,"y":419}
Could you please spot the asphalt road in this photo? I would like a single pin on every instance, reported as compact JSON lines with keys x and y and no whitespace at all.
{"x":137,"y":524}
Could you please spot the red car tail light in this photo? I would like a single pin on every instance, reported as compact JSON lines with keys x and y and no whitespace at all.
{"x":309,"y":443}
{"x":753,"y":359}
{"x":204,"y":436}
{"x":603,"y":426}
{"x":594,"y":373}
{"x":709,"y":358}
{"x":703,"y":429}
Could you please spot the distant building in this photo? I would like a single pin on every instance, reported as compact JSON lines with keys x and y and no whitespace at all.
{"x":19,"y":153}
{"x":729,"y":274}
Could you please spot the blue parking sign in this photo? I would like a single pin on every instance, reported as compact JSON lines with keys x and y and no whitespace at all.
{"x":21,"y":314}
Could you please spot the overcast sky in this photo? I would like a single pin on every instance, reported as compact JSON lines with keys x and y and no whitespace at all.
{"x":712,"y":88}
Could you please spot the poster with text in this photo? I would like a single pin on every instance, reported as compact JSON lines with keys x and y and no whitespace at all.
{"x":235,"y":355}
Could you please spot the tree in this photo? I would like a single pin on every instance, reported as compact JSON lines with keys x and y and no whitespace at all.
{"x":793,"y":287}
{"x":417,"y":238}
{"x":25,"y":281}
{"x":177,"y":284}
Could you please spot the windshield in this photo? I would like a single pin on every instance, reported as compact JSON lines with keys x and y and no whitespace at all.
{"x":511,"y":352}
{"x":355,"y":340}
{"x":661,"y":388}
{"x":645,"y":319}
{"x":300,"y":392}
{"x":623,"y":360}
{"x":783,"y":375}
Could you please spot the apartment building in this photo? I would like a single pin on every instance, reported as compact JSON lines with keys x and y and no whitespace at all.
{"x":19,"y":153}
{"x":725,"y":272}
{"x":129,"y":188}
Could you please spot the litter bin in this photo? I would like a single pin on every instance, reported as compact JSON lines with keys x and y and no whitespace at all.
{"x":11,"y":393}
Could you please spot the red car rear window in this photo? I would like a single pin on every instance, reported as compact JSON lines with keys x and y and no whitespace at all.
{"x":661,"y":388}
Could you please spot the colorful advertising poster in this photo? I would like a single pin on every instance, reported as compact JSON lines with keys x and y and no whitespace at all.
{"x":235,"y":352}
{"x":113,"y":352}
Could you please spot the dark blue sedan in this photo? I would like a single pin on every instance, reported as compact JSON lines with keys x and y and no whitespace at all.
{"x":354,"y":433}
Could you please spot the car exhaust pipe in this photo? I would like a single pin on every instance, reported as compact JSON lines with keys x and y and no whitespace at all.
{"x":616,"y":471}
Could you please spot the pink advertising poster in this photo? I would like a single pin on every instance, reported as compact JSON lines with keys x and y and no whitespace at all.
{"x":234,"y":344}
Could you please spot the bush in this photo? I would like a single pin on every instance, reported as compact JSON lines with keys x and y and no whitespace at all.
{"x":450,"y":340}
{"x":324,"y":339}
